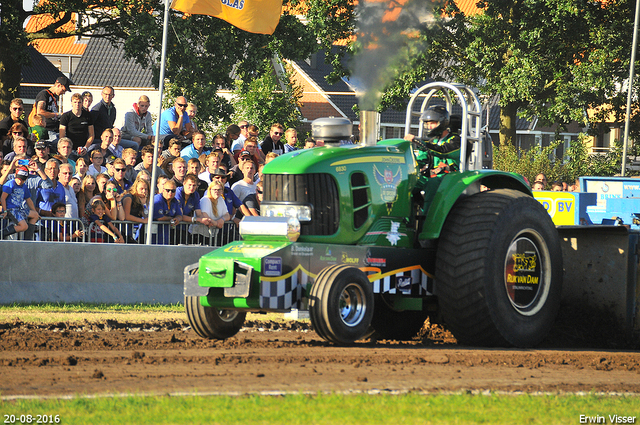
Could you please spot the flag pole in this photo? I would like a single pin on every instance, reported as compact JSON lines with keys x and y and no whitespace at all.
{"x":154,"y":177}
{"x":629,"y":91}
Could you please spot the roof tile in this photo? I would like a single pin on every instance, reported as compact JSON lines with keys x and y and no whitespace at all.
{"x":55,"y":46}
{"x":103,"y":64}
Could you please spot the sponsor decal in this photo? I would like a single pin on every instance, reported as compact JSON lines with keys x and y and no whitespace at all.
{"x":246,"y":248}
{"x":388,"y":182}
{"x":369,"y":159}
{"x":301,"y":251}
{"x":524,"y":268}
{"x":272,"y":266}
{"x":524,"y":262}
{"x":327,"y":256}
{"x":349,"y":260}
{"x":394,"y":236}
{"x":403,"y":283}
{"x":374,"y":262}
{"x":523,"y":274}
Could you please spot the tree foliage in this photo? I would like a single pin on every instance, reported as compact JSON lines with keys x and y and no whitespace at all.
{"x":577,"y":161}
{"x":552,"y":59}
{"x":204,"y":54}
{"x":268,"y":99}
{"x":104,"y":18}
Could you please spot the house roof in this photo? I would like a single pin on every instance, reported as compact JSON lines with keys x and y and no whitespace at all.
{"x":56,"y":46}
{"x":40,"y":71}
{"x":104,"y":64}
{"x":469,"y":7}
{"x":344,"y":98}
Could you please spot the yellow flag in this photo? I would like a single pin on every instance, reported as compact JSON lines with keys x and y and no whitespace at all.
{"x":257,"y":16}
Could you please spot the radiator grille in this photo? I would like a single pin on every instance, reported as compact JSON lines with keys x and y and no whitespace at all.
{"x":318,"y":190}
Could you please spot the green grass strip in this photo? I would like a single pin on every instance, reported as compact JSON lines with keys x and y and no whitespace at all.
{"x":320,"y":409}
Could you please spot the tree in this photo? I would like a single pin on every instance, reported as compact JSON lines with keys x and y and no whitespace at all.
{"x":105,"y":18}
{"x":204,"y":54}
{"x":268,"y":99}
{"x":552,"y":59}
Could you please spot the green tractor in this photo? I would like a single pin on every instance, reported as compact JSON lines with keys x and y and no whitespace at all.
{"x":356,"y":236}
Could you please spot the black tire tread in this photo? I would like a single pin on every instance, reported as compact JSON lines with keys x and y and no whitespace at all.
{"x":320,"y":308}
{"x":205,"y":320}
{"x":460,"y":271}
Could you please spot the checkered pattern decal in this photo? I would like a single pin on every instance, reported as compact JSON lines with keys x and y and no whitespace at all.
{"x":420,"y":283}
{"x":290,"y":290}
{"x":285,"y":293}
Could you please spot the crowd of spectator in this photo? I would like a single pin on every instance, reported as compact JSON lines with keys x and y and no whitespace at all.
{"x":76,"y":167}
{"x":541,"y":183}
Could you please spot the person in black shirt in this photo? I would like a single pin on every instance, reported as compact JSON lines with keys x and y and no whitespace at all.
{"x":16,"y":108}
{"x":47,"y":105}
{"x":77,"y":125}
{"x":272,"y":142}
{"x":104,"y":112}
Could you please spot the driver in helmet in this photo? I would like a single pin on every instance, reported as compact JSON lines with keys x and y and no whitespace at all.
{"x":440,"y":153}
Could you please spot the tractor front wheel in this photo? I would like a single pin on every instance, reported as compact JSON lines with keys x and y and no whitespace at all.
{"x":211,"y":322}
{"x":341,"y":304}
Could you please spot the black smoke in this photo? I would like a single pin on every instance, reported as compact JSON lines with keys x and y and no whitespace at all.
{"x":388,"y":33}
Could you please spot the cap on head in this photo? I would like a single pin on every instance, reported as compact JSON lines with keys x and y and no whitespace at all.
{"x":41,"y":145}
{"x":244,"y":153}
{"x":219,"y":172}
{"x":22,"y":172}
{"x":65,"y":82}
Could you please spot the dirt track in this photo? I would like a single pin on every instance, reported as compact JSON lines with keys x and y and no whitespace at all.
{"x":167,"y":357}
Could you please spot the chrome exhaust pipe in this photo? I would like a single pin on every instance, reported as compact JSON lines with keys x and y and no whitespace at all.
{"x":369,"y":127}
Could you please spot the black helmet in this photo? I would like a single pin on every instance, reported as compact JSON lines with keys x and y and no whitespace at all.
{"x":436,"y":113}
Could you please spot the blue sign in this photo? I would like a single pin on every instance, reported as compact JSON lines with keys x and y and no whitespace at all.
{"x":272,"y":266}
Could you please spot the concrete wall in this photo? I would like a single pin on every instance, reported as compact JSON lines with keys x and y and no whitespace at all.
{"x":92,"y":272}
{"x":600,"y":270}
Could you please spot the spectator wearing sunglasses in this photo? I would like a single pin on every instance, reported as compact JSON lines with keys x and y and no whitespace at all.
{"x":113,"y":201}
{"x":167,"y":209}
{"x":16,"y":131}
{"x":119,"y":170}
{"x":175,"y":122}
{"x":16,"y":109}
{"x":237,"y":144}
{"x":251,"y":204}
{"x":42,"y":154}
{"x":272,"y":142}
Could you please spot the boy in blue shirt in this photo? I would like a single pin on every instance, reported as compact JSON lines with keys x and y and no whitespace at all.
{"x":17,"y":204}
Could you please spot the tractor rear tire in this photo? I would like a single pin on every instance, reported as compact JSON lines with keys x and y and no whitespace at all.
{"x":211,"y":322}
{"x":499,"y":270}
{"x":341,"y":304}
{"x":395,"y":324}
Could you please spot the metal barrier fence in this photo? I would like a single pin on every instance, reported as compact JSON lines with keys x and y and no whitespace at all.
{"x":74,"y":230}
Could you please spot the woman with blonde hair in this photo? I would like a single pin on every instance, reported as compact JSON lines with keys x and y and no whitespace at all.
{"x":88,"y":189}
{"x":213,"y":207}
{"x":135,"y":203}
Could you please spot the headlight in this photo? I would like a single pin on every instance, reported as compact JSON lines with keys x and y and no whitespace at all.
{"x":301,"y":212}
{"x":260,"y":227}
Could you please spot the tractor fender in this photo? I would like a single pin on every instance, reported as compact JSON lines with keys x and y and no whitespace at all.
{"x":456,"y":185}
